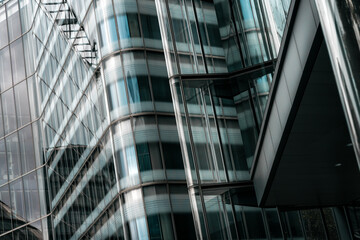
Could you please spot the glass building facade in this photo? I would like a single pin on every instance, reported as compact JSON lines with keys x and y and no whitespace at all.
{"x":139,"y":119}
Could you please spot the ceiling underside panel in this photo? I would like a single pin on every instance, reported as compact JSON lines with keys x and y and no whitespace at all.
{"x":317,"y":165}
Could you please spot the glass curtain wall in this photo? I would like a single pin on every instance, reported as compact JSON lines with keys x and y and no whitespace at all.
{"x":111,"y":136}
{"x":99,"y":131}
{"x":218,"y":113}
{"x":23,"y":198}
{"x":90,"y":146}
{"x":233,"y":215}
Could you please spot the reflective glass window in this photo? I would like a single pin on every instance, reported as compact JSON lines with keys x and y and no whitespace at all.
{"x":131,"y":160}
{"x":5,"y":69}
{"x":27,"y":149}
{"x":291,"y":222}
{"x":161,"y":90}
{"x":158,"y":210}
{"x":13,"y":20}
{"x":5,"y":216}
{"x":90,"y":25}
{"x":139,"y":94}
{"x":123,"y":27}
{"x":29,"y":232}
{"x":135,"y":215}
{"x":254,"y":223}
{"x":3,"y":163}
{"x":33,"y":97}
{"x":1,"y":121}
{"x":126,"y":154}
{"x":172,"y":152}
{"x":9,"y":111}
{"x":128,"y":24}
{"x":159,"y":82}
{"x":29,"y":50}
{"x":17,"y":60}
{"x":26,"y":12}
{"x":148,"y":149}
{"x":3,"y":28}
{"x":17,"y":202}
{"x":115,"y":86}
{"x":135,"y":70}
{"x":128,"y":27}
{"x":31,"y":194}
{"x":107,"y":26}
{"x":240,"y":224}
{"x":182,"y":212}
{"x":22,"y":104}
{"x":13,"y":156}
{"x":273,"y":223}
{"x":150,"y":24}
{"x":121,"y":91}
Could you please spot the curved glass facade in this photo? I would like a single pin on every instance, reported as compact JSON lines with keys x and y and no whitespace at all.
{"x":138,"y":119}
{"x":107,"y":144}
{"x":218,"y":107}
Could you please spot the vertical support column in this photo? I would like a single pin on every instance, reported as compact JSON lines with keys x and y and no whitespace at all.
{"x":340,"y":21}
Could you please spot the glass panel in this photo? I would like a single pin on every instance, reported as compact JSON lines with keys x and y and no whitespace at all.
{"x":330,"y":222}
{"x":277,"y":14}
{"x":3,"y":163}
{"x":148,"y":149}
{"x":158,"y":211}
{"x":293,"y":223}
{"x":150,"y":25}
{"x":30,"y":52}
{"x":5,"y":69}
{"x":22,"y":104}
{"x":33,"y":98}
{"x":128,"y":24}
{"x":13,"y":156}
{"x":32,"y":201}
{"x":26,"y":12}
{"x":215,"y":217}
{"x":106,"y":26}
{"x":115,"y":87}
{"x":139,"y":94}
{"x":137,"y":82}
{"x":172,"y":151}
{"x":313,"y":225}
{"x":5,"y":215}
{"x":240,"y":223}
{"x":160,"y":82}
{"x":126,"y":154}
{"x":27,"y":149}
{"x":254,"y":223}
{"x":17,"y":60}
{"x":9,"y":111}
{"x":354,"y":220}
{"x":135,"y":215}
{"x":1,"y":121}
{"x":273,"y":223}
{"x":3,"y":28}
{"x":182,"y":212}
{"x":17,"y":202}
{"x":13,"y":20}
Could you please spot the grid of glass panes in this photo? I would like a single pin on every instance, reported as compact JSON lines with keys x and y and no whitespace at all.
{"x":22,"y":193}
